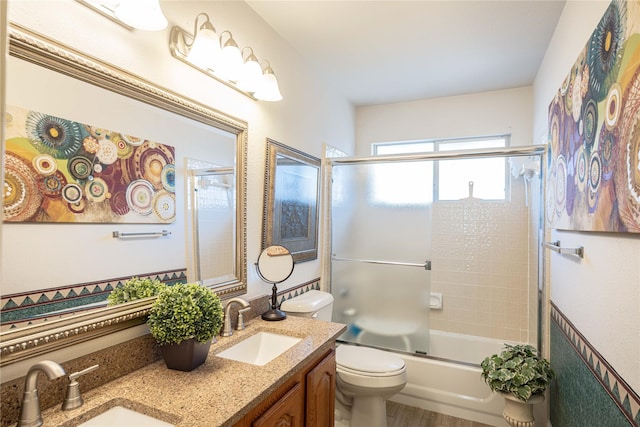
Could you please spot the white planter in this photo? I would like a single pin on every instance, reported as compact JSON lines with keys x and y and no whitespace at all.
{"x":518,"y":413}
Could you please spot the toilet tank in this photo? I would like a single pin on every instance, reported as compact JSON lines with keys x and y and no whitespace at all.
{"x":315,"y":304}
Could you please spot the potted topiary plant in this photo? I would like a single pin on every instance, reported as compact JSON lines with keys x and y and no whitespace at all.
{"x":133,"y":289}
{"x":521,"y":375}
{"x":184,"y":319}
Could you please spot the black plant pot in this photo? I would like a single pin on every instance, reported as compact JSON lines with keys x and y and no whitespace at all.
{"x":185,"y":356}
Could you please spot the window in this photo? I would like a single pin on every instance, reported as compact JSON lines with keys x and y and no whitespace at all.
{"x":406,"y":183}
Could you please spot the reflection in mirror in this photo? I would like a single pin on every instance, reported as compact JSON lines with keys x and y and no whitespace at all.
{"x":292,"y":187}
{"x":211,"y":223}
{"x":275,"y":265}
{"x":46,"y":264}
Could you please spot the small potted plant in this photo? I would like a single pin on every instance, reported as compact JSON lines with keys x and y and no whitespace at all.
{"x":184,"y":319}
{"x":133,"y":289}
{"x":521,"y":375}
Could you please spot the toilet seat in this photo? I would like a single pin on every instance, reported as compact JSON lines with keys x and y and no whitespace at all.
{"x":367,"y":361}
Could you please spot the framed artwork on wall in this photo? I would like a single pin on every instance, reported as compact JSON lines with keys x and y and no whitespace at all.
{"x":593,"y":181}
{"x":292,"y":187}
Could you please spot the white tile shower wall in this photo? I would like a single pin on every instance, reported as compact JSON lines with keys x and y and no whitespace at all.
{"x":215,"y":234}
{"x":481,"y":266}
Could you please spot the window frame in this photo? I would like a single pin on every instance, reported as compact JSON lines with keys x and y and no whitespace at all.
{"x":437,"y":142}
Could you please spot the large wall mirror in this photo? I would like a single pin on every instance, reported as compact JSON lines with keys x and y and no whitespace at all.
{"x":204,"y":241}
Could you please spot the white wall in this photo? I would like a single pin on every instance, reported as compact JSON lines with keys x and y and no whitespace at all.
{"x":489,"y":113}
{"x":310,"y":114}
{"x":601,"y":293}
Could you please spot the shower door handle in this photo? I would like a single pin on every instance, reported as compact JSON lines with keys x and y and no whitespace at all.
{"x":426,"y":265}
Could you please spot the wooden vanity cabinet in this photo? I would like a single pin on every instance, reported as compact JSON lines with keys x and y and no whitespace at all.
{"x":321,"y":392}
{"x":286,"y":411}
{"x":305,"y":400}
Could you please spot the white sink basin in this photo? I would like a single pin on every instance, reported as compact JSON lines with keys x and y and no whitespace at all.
{"x":121,"y":416}
{"x":259,"y":349}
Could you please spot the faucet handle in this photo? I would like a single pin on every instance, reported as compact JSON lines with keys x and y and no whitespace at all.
{"x":75,"y":375}
{"x":73,"y":398}
{"x":240,"y":325}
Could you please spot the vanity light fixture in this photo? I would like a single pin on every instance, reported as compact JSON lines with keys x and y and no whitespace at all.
{"x":220,"y":58}
{"x":141,"y":14}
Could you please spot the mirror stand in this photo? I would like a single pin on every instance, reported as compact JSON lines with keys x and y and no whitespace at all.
{"x":275,"y":265}
{"x":275,"y":313}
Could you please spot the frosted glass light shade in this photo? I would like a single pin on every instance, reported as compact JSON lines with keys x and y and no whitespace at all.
{"x":250,"y":75}
{"x":141,"y":14}
{"x":230,"y":62}
{"x":269,"y":90}
{"x":205,"y":51}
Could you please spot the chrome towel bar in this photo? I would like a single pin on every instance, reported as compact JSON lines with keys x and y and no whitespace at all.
{"x":121,"y":235}
{"x":555,"y":246}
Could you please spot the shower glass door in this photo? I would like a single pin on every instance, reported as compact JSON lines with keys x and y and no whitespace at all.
{"x":380,"y":268}
{"x":452,"y":269}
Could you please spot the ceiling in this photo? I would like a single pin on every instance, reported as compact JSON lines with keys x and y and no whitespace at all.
{"x":378,"y":52}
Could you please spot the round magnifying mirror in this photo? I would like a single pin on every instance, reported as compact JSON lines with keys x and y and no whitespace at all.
{"x":275,"y":265}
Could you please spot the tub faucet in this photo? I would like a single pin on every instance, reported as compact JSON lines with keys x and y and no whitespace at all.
{"x":30,"y":408}
{"x":227,"y":331}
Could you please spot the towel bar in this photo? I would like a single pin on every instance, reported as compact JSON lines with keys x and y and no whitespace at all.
{"x":121,"y":235}
{"x":555,"y":246}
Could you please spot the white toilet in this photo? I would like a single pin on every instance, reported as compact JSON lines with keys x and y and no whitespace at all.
{"x":366,"y":377}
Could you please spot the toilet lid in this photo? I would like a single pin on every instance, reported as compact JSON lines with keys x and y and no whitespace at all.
{"x":367,"y":360}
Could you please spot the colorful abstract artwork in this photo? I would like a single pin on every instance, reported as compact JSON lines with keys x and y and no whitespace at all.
{"x":594,"y":131}
{"x":58,"y":170}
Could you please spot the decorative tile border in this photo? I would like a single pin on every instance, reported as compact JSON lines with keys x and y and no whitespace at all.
{"x":616,"y":387}
{"x":25,"y":309}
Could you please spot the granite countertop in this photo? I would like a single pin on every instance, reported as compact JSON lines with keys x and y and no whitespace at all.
{"x":218,"y":393}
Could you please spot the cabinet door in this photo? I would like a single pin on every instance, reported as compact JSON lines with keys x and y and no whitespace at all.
{"x":321,"y":393}
{"x":288,"y":411}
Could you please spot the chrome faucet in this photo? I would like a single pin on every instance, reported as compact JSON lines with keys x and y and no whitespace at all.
{"x":227,"y":330}
{"x":30,"y":409}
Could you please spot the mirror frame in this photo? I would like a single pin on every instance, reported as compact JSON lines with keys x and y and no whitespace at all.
{"x":307,"y":249}
{"x":23,"y":343}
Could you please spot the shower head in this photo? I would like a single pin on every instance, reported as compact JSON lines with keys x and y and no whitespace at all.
{"x":527,"y":170}
{"x":530,"y":170}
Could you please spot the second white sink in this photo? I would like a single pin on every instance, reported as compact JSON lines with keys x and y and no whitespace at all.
{"x":259,"y":349}
{"x":120,"y":416}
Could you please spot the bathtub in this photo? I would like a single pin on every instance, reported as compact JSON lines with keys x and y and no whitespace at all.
{"x":450,"y":388}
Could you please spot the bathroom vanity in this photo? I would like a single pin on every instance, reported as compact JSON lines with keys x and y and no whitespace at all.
{"x":298,"y":385}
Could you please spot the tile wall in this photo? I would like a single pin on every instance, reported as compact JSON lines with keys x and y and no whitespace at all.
{"x":481,"y":264}
{"x":588,"y":391}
